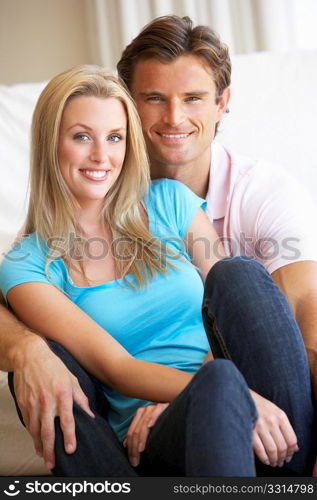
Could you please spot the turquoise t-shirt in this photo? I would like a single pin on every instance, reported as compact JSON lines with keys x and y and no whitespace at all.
{"x":161,"y":322}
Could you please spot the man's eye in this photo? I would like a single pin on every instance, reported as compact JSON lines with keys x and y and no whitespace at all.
{"x":114,"y":138}
{"x":192,"y":98}
{"x":81,"y":137}
{"x":154,"y":98}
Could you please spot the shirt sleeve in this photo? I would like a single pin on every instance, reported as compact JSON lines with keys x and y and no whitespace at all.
{"x":277,"y":218}
{"x":26,"y":263}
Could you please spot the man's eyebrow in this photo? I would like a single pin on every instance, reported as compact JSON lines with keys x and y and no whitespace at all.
{"x":147,"y":93}
{"x":199,"y":93}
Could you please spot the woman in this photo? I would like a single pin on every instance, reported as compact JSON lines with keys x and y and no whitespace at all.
{"x":106,"y":272}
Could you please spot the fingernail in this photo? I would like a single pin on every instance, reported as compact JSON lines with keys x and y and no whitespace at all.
{"x":49,"y":465}
{"x":70,"y":448}
{"x":39,"y":453}
{"x":134,"y":462}
{"x":266,"y":462}
{"x":281,"y":464}
{"x":288,"y":459}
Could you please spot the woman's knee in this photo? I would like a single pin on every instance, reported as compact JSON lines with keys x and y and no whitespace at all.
{"x":219,"y":384}
{"x":215,"y":376}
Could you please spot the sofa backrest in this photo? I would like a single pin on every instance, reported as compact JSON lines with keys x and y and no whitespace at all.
{"x":272,"y":116}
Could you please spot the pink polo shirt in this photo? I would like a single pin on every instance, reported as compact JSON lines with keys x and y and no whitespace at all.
{"x":260,"y":210}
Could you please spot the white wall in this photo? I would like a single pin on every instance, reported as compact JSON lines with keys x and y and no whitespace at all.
{"x":40,"y":38}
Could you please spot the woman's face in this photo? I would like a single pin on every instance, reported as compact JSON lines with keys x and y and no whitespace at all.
{"x":92,"y":146}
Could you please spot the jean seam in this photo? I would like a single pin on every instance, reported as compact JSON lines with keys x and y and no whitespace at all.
{"x":212,"y":325}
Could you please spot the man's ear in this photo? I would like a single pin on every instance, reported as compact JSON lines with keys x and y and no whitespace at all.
{"x":223,"y":103}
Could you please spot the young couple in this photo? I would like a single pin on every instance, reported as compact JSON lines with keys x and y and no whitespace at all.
{"x":128,"y":323}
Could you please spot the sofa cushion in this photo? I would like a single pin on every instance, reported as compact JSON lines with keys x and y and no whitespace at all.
{"x":17,"y":457}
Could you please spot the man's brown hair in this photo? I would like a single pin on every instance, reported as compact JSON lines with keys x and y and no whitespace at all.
{"x":168,"y":37}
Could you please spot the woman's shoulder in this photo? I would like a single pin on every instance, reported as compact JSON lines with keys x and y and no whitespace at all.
{"x":173,"y":193}
{"x":28,"y":245}
{"x":169,"y":187}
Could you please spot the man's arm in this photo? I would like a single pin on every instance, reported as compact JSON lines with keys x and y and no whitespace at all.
{"x":298,"y":282}
{"x":44,"y":387}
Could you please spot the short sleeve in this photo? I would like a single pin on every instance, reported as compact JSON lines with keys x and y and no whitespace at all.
{"x":174,"y":204}
{"x":25,"y":263}
{"x":277,"y":218}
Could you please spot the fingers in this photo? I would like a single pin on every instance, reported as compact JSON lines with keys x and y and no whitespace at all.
{"x":33,"y":425}
{"x":132,"y":438}
{"x":30,"y":415}
{"x":67,"y":424}
{"x":274,"y":440}
{"x":139,"y":430}
{"x":48,"y":437}
{"x":156,"y":412}
{"x":289,"y":437}
{"x":80,"y":398}
{"x":259,"y":449}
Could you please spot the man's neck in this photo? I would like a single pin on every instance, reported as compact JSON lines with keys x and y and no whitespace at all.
{"x":194,"y":175}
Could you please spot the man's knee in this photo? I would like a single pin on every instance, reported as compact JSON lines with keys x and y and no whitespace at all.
{"x":235,"y":277}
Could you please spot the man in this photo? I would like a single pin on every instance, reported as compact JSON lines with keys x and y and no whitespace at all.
{"x":179,"y":78}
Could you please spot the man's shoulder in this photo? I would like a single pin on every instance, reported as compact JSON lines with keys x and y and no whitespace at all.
{"x":246,"y":169}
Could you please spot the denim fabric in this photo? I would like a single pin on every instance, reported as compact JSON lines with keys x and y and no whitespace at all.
{"x":206,"y":430}
{"x":98,"y":453}
{"x":256,"y":329}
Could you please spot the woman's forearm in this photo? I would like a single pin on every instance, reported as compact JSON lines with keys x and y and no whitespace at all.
{"x":146,"y":380}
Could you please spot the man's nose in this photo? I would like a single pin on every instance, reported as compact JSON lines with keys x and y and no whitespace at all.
{"x":174,"y":114}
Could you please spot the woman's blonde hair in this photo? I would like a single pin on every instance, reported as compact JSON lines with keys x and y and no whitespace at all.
{"x":52,"y":207}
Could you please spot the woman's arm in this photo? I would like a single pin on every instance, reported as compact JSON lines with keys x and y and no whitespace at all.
{"x":203,"y":243}
{"x":44,"y":308}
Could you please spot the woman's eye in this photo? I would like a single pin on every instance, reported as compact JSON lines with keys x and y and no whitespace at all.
{"x":81,"y":137}
{"x":114,"y":138}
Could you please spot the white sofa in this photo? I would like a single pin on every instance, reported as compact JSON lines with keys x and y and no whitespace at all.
{"x":272,"y":115}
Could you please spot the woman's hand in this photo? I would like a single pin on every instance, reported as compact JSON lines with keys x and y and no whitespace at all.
{"x":144,"y":419}
{"x":274,"y":440}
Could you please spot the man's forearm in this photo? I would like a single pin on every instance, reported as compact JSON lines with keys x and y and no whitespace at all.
{"x":14,"y":337}
{"x":306,"y":317}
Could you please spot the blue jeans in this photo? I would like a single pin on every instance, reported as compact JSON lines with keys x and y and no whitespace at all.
{"x":248,"y":320}
{"x":207,"y":429}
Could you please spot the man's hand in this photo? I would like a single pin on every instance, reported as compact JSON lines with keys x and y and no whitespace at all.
{"x":46,"y":389}
{"x":274,"y":440}
{"x":144,"y":419}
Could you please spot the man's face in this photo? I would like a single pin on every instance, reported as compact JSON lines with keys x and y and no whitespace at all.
{"x":176,"y":102}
